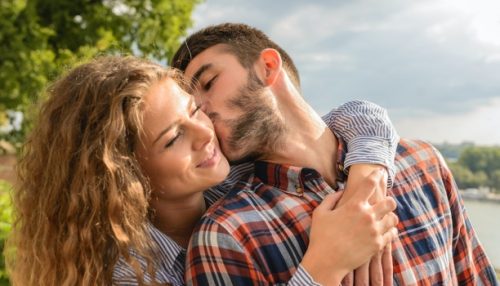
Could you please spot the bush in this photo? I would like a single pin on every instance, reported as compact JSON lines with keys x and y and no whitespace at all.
{"x":5,"y":226}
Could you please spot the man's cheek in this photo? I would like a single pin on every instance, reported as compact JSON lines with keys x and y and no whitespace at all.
{"x":221,"y":132}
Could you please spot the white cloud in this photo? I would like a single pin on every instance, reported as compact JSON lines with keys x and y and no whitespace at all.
{"x":480,"y":125}
{"x":483,"y":17}
{"x":314,"y":22}
{"x":302,"y":24}
{"x":321,"y":60}
{"x":492,"y":58}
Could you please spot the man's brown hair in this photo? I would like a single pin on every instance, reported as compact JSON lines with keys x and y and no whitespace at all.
{"x":245,"y":42}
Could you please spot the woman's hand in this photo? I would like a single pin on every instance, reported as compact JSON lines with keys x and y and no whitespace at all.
{"x":378,"y":271}
{"x":344,"y":238}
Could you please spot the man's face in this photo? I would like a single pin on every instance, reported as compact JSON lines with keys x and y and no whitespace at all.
{"x":236,"y":101}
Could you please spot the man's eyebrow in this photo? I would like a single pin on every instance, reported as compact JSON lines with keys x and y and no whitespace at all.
{"x":198,"y":74}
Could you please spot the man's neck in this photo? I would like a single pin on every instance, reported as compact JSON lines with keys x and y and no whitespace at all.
{"x":308,"y":142}
{"x":177,"y":218}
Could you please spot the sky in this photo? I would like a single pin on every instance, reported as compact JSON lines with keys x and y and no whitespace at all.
{"x":433,"y":64}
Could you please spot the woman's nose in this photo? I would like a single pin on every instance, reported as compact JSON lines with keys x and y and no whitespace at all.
{"x":203,"y":134}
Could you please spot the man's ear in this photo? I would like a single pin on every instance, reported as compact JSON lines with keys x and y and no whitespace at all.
{"x":271,"y":65}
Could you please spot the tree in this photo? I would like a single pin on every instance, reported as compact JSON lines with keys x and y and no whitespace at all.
{"x":452,"y":151}
{"x":465,"y":178}
{"x":5,"y":226}
{"x":40,"y":38}
{"x":486,"y":159}
{"x":495,"y":180}
{"x":478,"y":166}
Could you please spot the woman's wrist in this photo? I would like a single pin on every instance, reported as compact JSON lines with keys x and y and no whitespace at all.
{"x":322,"y":272}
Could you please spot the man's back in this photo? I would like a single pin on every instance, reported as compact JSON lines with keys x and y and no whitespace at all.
{"x":258,"y":233}
{"x":437,"y":244}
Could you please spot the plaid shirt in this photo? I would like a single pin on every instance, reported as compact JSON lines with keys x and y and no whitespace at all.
{"x":258,"y":234}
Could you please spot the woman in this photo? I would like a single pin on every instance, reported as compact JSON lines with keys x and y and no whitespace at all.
{"x":119,"y":152}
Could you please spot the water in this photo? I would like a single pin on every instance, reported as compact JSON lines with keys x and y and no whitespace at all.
{"x":484,"y":217}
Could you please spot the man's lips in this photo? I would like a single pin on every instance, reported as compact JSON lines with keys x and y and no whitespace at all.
{"x":211,"y":160}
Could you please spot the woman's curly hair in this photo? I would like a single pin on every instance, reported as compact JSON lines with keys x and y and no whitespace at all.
{"x":82,"y":200}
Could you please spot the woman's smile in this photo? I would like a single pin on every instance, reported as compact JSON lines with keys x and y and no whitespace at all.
{"x":212,"y":158}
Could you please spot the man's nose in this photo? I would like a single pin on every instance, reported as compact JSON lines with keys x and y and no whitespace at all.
{"x":206,"y":106}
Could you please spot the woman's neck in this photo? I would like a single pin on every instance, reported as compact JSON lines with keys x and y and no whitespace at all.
{"x":177,"y":218}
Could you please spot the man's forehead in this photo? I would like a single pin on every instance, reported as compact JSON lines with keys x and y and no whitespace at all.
{"x":209,"y":55}
{"x":207,"y":60}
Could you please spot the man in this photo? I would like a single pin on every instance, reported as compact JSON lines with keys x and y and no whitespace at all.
{"x":250,"y":88}
{"x":365,"y":148}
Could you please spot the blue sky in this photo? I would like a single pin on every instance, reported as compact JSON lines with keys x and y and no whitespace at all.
{"x":434,"y":64}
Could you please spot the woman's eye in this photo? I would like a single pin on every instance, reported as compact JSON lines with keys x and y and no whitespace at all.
{"x":198,"y":107}
{"x":171,"y":142}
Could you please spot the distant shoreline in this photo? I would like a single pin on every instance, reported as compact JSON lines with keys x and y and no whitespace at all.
{"x":482,"y":197}
{"x":488,"y":200}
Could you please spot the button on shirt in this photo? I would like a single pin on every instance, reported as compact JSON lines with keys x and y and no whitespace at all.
{"x":258,"y":233}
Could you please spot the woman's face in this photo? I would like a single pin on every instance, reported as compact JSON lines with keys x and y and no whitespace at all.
{"x":178,"y":150}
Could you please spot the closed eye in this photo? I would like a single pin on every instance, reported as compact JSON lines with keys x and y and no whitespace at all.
{"x":171,"y":142}
{"x":208,"y":85}
{"x":198,"y":107}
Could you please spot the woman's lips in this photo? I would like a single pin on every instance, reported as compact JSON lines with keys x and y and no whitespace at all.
{"x":212,"y":159}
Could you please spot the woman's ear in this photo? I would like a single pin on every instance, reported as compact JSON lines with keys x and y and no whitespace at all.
{"x":271,"y":65}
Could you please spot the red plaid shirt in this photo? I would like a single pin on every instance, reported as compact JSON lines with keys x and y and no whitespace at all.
{"x":258,"y":234}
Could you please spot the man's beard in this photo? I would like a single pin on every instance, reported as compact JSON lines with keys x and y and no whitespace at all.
{"x":259,"y":131}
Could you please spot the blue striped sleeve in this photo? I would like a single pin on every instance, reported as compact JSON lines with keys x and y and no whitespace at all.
{"x":370,"y":136}
{"x":302,"y":278}
{"x":169,"y":259}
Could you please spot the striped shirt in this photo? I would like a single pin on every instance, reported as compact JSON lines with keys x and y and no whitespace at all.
{"x":258,"y":234}
{"x":372,"y":139}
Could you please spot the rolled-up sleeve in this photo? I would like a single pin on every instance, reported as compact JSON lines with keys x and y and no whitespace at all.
{"x":368,"y":132}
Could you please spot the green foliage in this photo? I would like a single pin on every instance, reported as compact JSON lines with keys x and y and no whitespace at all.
{"x":476,"y":166}
{"x":495,"y":180}
{"x":5,"y":226}
{"x":40,"y":38}
{"x":452,"y":151}
{"x":486,"y":159}
{"x":465,"y":178}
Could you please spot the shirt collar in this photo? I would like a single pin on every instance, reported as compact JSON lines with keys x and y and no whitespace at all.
{"x":292,"y":178}
{"x":169,"y":251}
{"x":284,"y":177}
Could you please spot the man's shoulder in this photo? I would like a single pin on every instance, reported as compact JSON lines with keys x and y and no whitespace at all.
{"x":415,"y":150}
{"x":415,"y":157}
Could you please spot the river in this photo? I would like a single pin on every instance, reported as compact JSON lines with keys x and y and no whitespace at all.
{"x":485,"y":220}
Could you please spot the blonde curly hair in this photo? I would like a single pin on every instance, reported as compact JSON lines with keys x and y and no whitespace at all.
{"x":82,"y":200}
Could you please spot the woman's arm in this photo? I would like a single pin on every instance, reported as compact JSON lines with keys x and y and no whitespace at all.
{"x":371,"y":141}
